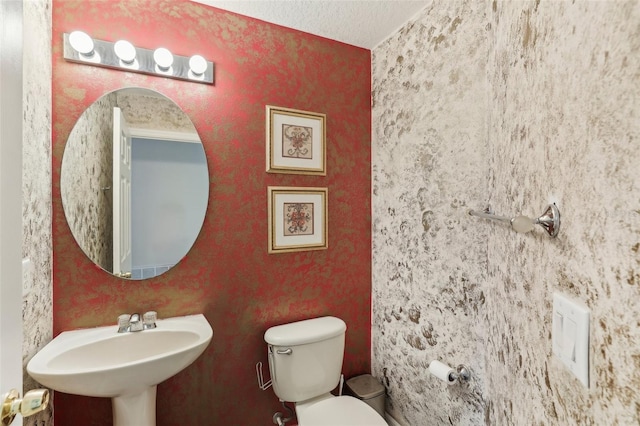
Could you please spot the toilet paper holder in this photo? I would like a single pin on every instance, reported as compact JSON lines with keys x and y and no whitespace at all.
{"x":462,"y":374}
{"x":450,"y":375}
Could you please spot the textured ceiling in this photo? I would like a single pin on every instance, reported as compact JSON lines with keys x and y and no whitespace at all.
{"x":362,"y":23}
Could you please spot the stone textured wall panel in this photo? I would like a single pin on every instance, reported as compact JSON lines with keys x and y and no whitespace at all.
{"x":565,"y":126}
{"x":558,"y":90}
{"x":429,"y":168}
{"x":37,"y":302}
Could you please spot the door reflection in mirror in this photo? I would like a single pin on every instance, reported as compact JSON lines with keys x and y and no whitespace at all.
{"x":122,"y":167}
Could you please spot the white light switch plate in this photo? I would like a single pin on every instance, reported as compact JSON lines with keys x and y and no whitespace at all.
{"x":27,"y":276}
{"x":570,"y":335}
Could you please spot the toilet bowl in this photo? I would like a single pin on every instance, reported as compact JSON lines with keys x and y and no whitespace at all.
{"x":337,"y":411}
{"x":305,"y":362}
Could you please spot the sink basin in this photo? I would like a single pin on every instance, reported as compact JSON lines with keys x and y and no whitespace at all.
{"x":126,"y":367}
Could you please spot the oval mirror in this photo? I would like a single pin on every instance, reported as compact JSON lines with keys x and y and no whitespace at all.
{"x":134,"y":183}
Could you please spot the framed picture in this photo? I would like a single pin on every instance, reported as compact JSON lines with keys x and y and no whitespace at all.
{"x":296,"y":141}
{"x":297,"y":219}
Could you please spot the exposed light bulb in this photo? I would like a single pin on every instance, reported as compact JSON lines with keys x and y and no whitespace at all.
{"x":198,"y":65}
{"x":125,"y":51}
{"x":163,"y":58}
{"x":82,"y":43}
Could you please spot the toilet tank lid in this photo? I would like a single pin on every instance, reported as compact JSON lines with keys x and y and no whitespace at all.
{"x":306,"y":331}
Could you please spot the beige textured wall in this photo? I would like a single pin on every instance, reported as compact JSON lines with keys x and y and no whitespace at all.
{"x":37,"y":309}
{"x":548,"y":96}
{"x":430,"y":166}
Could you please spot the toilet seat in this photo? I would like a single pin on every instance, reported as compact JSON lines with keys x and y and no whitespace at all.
{"x":337,"y":411}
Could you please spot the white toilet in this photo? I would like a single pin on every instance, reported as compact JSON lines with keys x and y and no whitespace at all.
{"x":305,"y":361}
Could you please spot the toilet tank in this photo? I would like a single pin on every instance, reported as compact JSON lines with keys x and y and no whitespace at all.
{"x":305,"y":357}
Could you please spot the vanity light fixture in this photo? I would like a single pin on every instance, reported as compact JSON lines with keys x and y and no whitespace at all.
{"x":79,"y":47}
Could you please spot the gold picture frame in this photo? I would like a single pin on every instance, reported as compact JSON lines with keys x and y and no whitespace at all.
{"x":297,"y":219}
{"x":295,"y":141}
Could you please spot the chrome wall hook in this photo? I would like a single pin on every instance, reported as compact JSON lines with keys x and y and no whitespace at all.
{"x":549,"y":220}
{"x":464,"y":373}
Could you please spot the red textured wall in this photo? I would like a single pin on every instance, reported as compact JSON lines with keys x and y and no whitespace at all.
{"x":228,"y":274}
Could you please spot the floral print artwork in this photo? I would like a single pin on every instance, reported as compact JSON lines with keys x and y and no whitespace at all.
{"x":298,"y":218}
{"x":296,"y":141}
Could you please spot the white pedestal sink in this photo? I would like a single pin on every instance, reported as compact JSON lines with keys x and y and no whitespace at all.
{"x":125,"y":367}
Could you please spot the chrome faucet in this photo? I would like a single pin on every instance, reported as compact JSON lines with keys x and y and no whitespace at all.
{"x":134,"y":323}
{"x":131,"y":323}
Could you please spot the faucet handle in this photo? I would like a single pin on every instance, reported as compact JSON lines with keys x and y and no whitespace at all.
{"x":149,"y":319}
{"x":123,"y":322}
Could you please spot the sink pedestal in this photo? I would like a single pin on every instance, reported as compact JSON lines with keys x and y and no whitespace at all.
{"x":138,"y":409}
